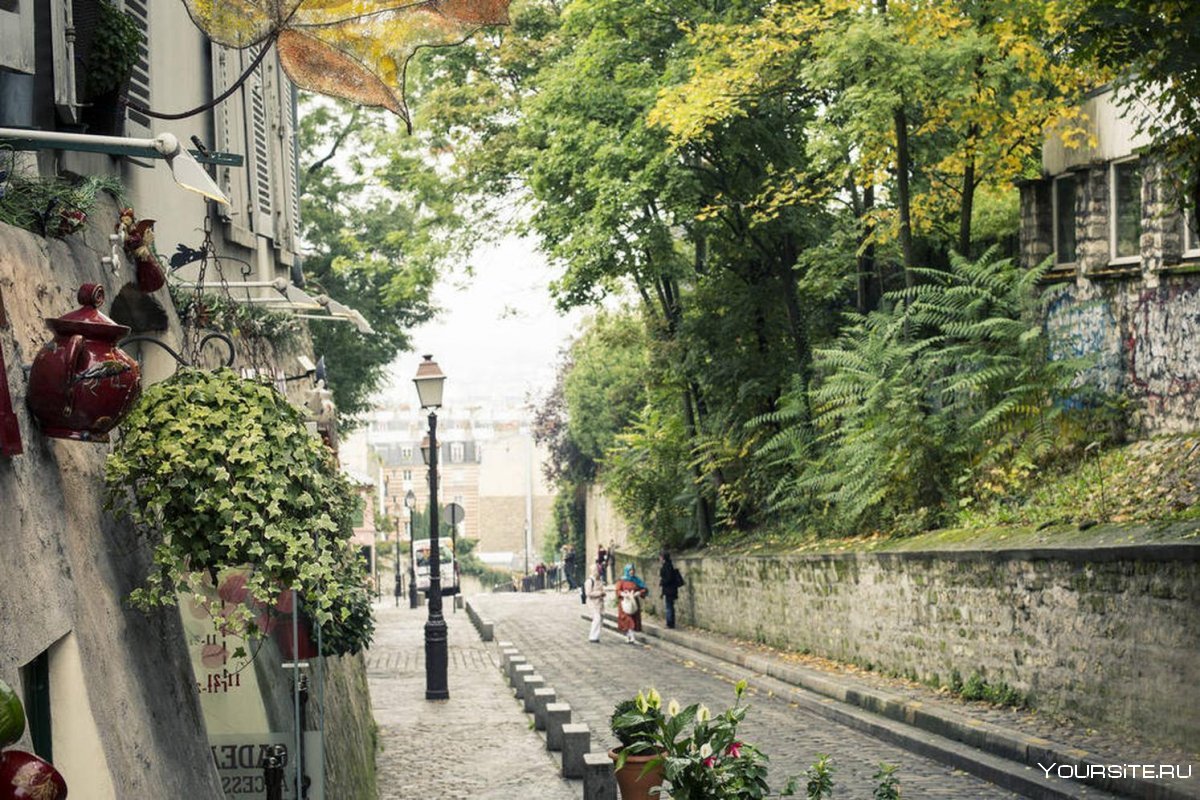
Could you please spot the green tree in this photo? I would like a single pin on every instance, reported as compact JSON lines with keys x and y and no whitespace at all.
{"x":381,"y":222}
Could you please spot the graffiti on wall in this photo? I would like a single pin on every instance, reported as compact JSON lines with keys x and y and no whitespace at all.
{"x":1141,"y":342}
{"x":1164,"y":346}
{"x":1085,"y":327}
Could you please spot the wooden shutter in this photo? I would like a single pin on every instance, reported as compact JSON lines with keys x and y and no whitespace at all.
{"x":62,"y":34}
{"x":229,"y":123}
{"x":138,"y":124}
{"x":16,"y":35}
{"x":258,"y":150}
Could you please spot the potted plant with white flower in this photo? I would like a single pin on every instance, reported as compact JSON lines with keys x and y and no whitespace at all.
{"x":697,"y":755}
{"x":638,"y":725}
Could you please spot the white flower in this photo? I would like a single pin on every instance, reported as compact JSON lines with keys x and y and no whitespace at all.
{"x":706,"y":750}
{"x":642,"y":706}
{"x":654,"y":699}
{"x":703,"y":714}
{"x":673,"y":707}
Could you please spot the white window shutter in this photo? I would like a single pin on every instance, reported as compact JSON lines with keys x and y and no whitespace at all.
{"x":62,"y":34}
{"x":288,"y":211}
{"x":16,"y":36}
{"x":229,"y":125}
{"x":258,"y":152}
{"x":137,"y":123}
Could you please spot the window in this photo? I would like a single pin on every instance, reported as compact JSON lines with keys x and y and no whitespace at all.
{"x":408,"y":474}
{"x":1064,"y":220}
{"x":1191,"y":234}
{"x":456,"y":452}
{"x":1125,"y":216}
{"x":406,"y":453}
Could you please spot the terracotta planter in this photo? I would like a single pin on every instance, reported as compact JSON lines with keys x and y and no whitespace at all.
{"x":634,"y":785}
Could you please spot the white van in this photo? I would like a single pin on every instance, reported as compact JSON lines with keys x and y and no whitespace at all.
{"x":449,"y":566}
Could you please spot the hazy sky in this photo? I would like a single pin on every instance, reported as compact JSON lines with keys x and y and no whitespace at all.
{"x":498,"y":334}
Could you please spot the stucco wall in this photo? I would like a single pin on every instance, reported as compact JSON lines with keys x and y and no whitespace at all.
{"x":127,"y":720}
{"x":1108,"y":636}
{"x":67,"y":566}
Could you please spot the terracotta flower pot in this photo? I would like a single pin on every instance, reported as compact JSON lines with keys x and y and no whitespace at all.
{"x":634,"y":785}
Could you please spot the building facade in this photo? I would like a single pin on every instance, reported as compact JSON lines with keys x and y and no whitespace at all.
{"x":126,"y":701}
{"x":1123,"y":286}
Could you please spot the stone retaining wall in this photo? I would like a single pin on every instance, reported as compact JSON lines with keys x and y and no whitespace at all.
{"x":1108,"y":636}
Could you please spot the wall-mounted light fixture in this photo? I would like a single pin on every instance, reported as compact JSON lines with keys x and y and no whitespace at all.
{"x":186,"y":171}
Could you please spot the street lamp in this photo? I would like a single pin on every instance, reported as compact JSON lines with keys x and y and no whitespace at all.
{"x":410,"y":502}
{"x":398,"y":589}
{"x":430,"y":381}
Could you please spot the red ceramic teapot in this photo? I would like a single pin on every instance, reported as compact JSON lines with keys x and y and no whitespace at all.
{"x":82,"y":384}
{"x":24,"y":776}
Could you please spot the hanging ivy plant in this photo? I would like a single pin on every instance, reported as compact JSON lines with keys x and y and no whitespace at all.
{"x":220,"y":471}
{"x":351,"y":624}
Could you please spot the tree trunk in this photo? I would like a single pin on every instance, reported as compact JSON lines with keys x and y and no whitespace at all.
{"x":903,"y":194}
{"x":968,"y":200}
{"x":868,"y":282}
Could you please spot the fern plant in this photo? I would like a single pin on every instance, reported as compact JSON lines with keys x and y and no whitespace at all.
{"x":957,"y":376}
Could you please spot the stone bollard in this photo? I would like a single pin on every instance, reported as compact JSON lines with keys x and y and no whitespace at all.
{"x":486,"y":629}
{"x":504,"y":644}
{"x":557,"y":715}
{"x":599,"y":781}
{"x":541,"y":698}
{"x":505,"y":654}
{"x":513,"y":663}
{"x":577,"y":741}
{"x":458,"y":601}
{"x":519,"y":673}
{"x":532,"y":684}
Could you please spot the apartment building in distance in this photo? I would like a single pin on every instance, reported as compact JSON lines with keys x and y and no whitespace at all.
{"x":488,"y":464}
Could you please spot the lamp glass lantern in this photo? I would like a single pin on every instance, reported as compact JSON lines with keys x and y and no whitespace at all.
{"x":425,"y":450}
{"x":430,"y":382}
{"x":410,"y":500}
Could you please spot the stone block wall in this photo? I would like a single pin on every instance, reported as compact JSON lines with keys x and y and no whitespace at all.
{"x":1107,"y":636}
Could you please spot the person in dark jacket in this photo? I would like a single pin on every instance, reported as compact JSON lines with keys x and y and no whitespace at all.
{"x":671,"y":581}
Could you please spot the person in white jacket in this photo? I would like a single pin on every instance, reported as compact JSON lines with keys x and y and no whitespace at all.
{"x":595,"y":594}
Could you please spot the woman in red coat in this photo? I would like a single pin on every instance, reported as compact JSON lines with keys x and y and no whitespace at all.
{"x":630,"y":590}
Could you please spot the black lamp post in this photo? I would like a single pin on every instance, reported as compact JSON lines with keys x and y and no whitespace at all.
{"x":430,"y":381}
{"x":398,"y":589}
{"x":410,"y":502}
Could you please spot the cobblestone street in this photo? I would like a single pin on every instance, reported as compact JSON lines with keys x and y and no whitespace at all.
{"x":548,"y":630}
{"x":477,"y":744}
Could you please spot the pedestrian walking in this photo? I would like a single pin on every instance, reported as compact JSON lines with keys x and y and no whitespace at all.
{"x":671,"y":582}
{"x":630,"y":591}
{"x":594,"y":588}
{"x":602,"y":558}
{"x":569,"y":565}
{"x":612,"y":560}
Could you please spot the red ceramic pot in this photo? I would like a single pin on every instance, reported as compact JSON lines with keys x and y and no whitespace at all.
{"x":24,"y":776}
{"x":82,"y":384}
